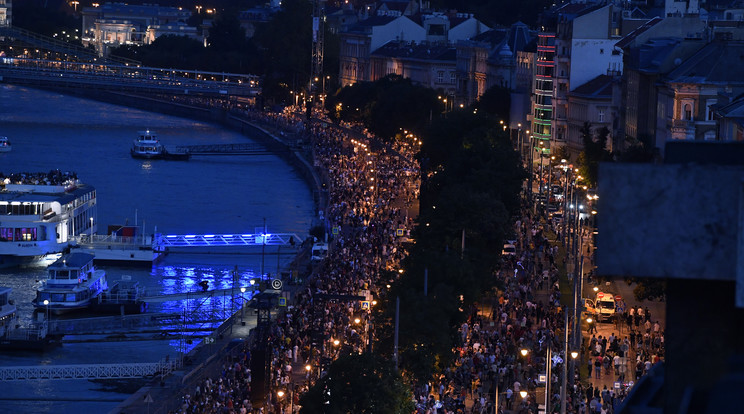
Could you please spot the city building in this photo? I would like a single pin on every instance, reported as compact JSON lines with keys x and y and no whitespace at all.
{"x":689,"y":93}
{"x":359,"y":41}
{"x":114,"y":24}
{"x":591,"y":103}
{"x":368,"y":35}
{"x":432,"y":66}
{"x":490,"y":59}
{"x":584,"y":49}
{"x":6,"y":12}
{"x":730,"y":118}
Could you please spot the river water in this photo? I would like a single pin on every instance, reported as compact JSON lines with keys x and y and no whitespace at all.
{"x":207,"y":194}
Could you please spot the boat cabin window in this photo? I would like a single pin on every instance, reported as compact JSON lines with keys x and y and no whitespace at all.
{"x":3,"y":300}
{"x":58,"y":297}
{"x":65,"y":274}
{"x":42,"y":296}
{"x":18,"y":234}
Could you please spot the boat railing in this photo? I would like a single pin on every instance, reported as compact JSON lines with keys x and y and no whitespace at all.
{"x":114,"y":240}
{"x":37,"y":332}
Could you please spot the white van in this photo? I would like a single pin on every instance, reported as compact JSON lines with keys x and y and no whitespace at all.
{"x":602,"y":307}
{"x":319,"y":252}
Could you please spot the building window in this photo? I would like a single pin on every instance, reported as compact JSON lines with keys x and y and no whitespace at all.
{"x":440,"y":76}
{"x":453,"y":78}
{"x":709,"y":110}
{"x":687,"y":113}
{"x":601,"y":115}
{"x":601,"y":51}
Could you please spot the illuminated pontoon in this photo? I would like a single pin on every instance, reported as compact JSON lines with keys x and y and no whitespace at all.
{"x":258,"y":239}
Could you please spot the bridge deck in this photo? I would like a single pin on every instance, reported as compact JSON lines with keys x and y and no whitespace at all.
{"x":119,"y":77}
{"x":225,"y":149}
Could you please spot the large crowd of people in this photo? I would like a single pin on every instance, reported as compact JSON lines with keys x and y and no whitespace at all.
{"x":369,"y":193}
{"x":505,"y":340}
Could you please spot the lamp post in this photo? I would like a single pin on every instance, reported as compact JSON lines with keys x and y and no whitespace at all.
{"x":524,"y":352}
{"x":541,"y":169}
{"x":46,"y":303}
{"x":91,"y":229}
{"x":242,"y":305}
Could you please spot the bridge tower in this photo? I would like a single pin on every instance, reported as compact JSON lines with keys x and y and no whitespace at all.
{"x":316,"y":65}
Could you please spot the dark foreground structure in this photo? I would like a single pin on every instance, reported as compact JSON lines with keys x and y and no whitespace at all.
{"x":683,"y":221}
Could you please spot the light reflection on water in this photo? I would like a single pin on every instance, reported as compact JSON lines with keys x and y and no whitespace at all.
{"x":229,"y":194}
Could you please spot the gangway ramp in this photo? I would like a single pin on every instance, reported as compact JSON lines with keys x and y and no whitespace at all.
{"x":207,"y":240}
{"x":87,"y":371}
{"x":236,"y":291}
{"x":226,"y":149}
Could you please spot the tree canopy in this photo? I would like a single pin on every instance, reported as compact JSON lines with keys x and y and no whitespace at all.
{"x":360,"y":384}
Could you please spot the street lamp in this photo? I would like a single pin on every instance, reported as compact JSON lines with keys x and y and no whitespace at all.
{"x":242,"y":305}
{"x":46,"y":303}
{"x":523,"y":394}
{"x":91,"y":229}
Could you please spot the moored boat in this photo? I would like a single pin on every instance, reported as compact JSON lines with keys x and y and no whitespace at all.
{"x":41,"y":213}
{"x":72,"y":284}
{"x":5,"y":144}
{"x":15,"y":337}
{"x":147,"y":145}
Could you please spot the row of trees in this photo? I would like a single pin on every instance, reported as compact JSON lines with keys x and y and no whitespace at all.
{"x":471,"y":181}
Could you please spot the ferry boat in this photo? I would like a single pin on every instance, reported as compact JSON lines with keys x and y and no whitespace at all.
{"x":72,"y":284}
{"x":15,"y":337}
{"x":147,"y":145}
{"x":5,"y":144}
{"x":8,"y":316}
{"x":40,"y":213}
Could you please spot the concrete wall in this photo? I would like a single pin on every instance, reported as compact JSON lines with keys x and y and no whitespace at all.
{"x":680,"y":222}
{"x":665,"y":221}
{"x":591,"y":58}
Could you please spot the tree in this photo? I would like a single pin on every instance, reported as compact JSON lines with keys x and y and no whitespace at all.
{"x":360,"y":384}
{"x":495,"y":101}
{"x":595,"y":151}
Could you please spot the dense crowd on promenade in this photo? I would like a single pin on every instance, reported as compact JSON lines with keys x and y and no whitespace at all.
{"x":527,"y":315}
{"x":369,"y":193}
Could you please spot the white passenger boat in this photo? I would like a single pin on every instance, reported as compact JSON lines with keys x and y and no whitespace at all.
{"x":147,"y":145}
{"x":72,"y":284}
{"x":40,"y":214}
{"x":8,"y":312}
{"x":5,"y":144}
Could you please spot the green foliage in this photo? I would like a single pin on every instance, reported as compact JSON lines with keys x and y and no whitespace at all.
{"x":649,"y":289}
{"x":496,"y":100}
{"x":386,"y":106}
{"x":359,"y":384}
{"x":637,"y":150}
{"x":47,"y":18}
{"x":472,"y":180}
{"x":595,"y":151}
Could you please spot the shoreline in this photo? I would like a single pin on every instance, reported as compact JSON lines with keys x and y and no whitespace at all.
{"x":223,"y":117}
